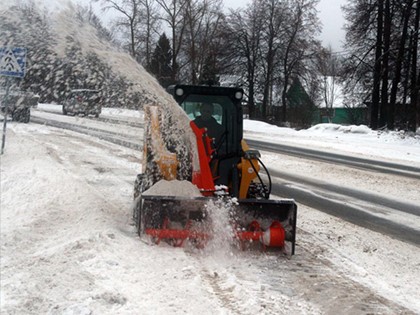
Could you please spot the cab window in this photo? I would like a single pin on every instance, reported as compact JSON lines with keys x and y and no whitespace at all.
{"x":192,"y":109}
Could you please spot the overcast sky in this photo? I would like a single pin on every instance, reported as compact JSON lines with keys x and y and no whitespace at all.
{"x":330,"y":15}
{"x":332,"y":20}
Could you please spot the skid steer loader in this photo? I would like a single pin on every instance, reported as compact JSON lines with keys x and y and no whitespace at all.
{"x":227,"y":169}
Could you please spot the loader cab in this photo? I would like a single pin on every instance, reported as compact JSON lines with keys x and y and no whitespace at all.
{"x":226,"y":111}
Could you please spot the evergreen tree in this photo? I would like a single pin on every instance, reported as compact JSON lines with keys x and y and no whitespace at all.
{"x":300,"y":106}
{"x":210,"y":72}
{"x":160,"y":65}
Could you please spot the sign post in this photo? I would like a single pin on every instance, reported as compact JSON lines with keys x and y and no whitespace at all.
{"x":12,"y":64}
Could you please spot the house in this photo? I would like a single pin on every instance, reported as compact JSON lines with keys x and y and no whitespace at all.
{"x":333,"y":109}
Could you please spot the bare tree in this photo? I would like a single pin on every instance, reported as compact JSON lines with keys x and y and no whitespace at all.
{"x":377,"y":66}
{"x":129,"y":11}
{"x":328,"y":66}
{"x":271,"y":44}
{"x":299,"y":45}
{"x":382,"y":37}
{"x":414,"y":118}
{"x":397,"y":72}
{"x":138,"y":21}
{"x":174,"y":10}
{"x":387,"y":20}
{"x":275,"y":15}
{"x":360,"y":44}
{"x":202,"y":21}
{"x":148,"y":31}
{"x":244,"y":36}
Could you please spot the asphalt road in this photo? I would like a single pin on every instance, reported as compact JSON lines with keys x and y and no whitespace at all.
{"x":328,"y":198}
{"x":367,"y":164}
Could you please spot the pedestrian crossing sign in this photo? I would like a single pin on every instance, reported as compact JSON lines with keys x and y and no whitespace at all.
{"x":12,"y":61}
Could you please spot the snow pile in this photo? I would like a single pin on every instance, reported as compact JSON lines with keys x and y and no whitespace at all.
{"x":362,"y":129}
{"x":173,"y":188}
{"x":262,"y":127}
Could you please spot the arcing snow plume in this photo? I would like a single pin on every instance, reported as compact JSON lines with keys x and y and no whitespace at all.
{"x":174,"y":122}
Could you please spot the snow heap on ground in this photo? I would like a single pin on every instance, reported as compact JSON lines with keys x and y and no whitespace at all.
{"x":362,"y":129}
{"x":173,"y":188}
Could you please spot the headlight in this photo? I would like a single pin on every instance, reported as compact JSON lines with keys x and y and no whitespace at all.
{"x":179,"y":92}
{"x":238,"y":95}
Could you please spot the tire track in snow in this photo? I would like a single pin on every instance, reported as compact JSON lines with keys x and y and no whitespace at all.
{"x":241,"y":285}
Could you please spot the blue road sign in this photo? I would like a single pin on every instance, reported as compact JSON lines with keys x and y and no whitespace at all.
{"x":12,"y":61}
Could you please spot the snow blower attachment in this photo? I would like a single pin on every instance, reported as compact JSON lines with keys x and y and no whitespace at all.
{"x":269,"y":223}
{"x":173,"y":194}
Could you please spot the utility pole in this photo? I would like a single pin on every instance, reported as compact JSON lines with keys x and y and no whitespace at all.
{"x":12,"y":64}
{"x":6,"y":105}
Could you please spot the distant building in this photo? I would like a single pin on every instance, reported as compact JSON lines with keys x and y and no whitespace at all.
{"x":332,"y":108}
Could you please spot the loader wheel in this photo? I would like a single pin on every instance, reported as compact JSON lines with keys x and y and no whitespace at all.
{"x":139,"y":185}
{"x":15,"y":115}
{"x":137,"y":214}
{"x":26,"y":115}
{"x":21,"y":115}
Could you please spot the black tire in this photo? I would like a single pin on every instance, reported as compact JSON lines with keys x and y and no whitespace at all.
{"x":15,"y":115}
{"x":26,"y":115}
{"x":138,"y":185}
{"x":137,"y":214}
{"x":138,"y":190}
{"x":21,"y":115}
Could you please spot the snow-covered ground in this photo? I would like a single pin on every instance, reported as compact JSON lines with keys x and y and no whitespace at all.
{"x":68,"y":245}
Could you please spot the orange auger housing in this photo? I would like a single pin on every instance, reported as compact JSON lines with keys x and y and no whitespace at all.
{"x":227,"y":170}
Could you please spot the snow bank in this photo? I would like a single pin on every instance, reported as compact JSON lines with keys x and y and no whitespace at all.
{"x":398,"y":146}
{"x":362,"y":129}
